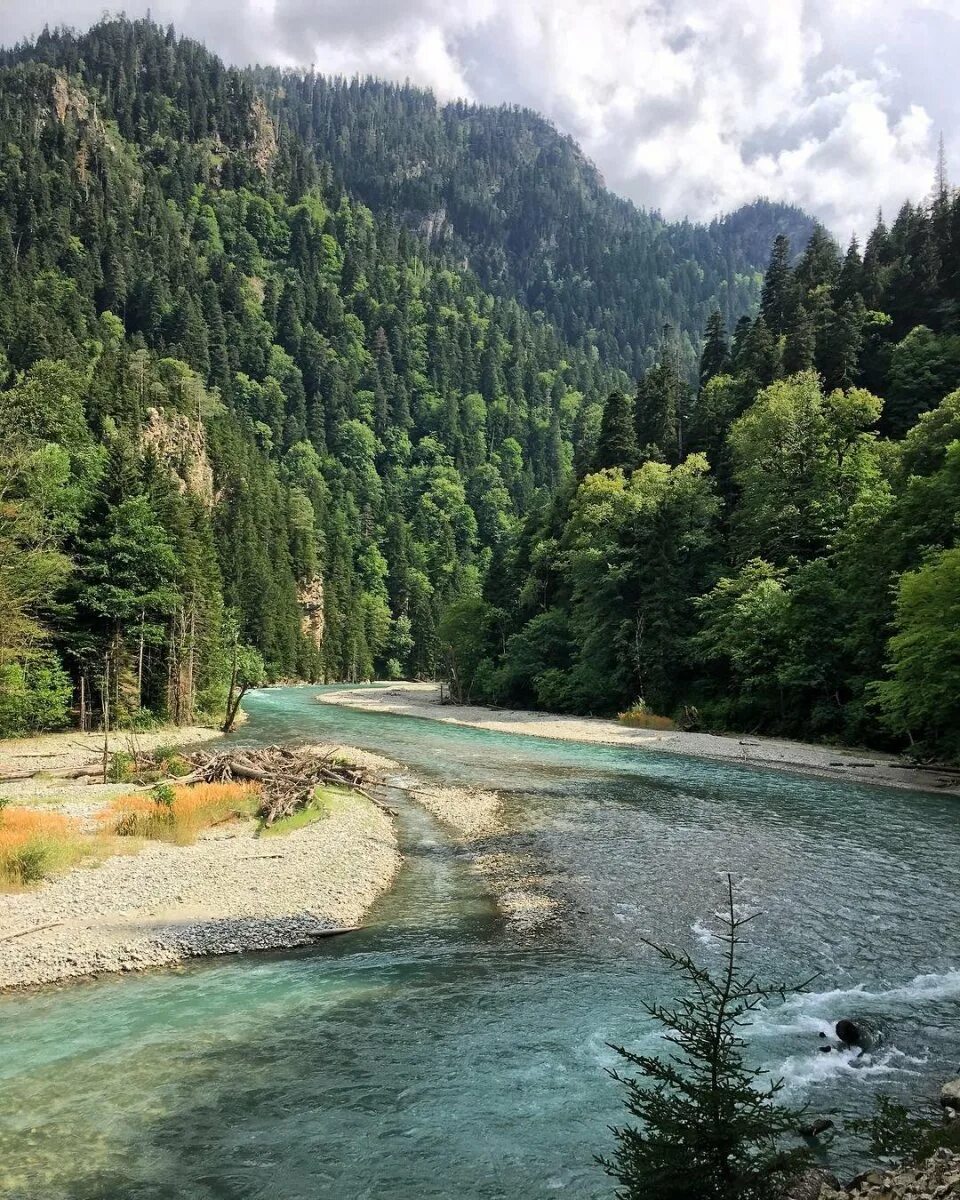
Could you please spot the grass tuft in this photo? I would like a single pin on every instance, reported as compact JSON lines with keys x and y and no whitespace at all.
{"x":35,"y":845}
{"x":179,"y":814}
{"x":640,"y":717}
{"x":325,"y":799}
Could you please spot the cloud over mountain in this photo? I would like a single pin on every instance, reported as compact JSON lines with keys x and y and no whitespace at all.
{"x":689,"y":106}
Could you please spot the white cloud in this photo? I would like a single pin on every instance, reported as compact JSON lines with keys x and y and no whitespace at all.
{"x":691,"y":106}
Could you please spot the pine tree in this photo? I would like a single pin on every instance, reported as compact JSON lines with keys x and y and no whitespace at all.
{"x":778,"y":298}
{"x":838,"y":344}
{"x":800,"y":346}
{"x":617,"y":445}
{"x":820,"y":263}
{"x":710,"y":1126}
{"x":850,"y":282}
{"x":658,"y":407}
{"x":715,"y":357}
{"x":759,"y":358}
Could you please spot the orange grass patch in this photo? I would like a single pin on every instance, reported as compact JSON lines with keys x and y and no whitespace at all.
{"x":641,"y":718}
{"x":35,"y":845}
{"x":180,"y":813}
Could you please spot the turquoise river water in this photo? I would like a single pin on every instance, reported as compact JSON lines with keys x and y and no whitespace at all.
{"x":440,"y":1052}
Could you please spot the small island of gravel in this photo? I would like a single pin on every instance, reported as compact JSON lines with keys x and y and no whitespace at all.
{"x":230,"y":891}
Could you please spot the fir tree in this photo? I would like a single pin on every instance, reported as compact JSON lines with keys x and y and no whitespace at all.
{"x":777,"y":300}
{"x":710,"y":1125}
{"x":617,"y":444}
{"x":715,"y":357}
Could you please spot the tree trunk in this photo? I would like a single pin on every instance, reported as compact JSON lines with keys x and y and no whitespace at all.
{"x":191,"y":660}
{"x":106,"y":716}
{"x":140,"y":663}
{"x":231,"y":713}
{"x":233,"y":706}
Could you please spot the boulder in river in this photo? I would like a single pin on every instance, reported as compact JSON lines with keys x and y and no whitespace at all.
{"x":815,"y":1128}
{"x":950,"y":1095}
{"x":861,"y":1032}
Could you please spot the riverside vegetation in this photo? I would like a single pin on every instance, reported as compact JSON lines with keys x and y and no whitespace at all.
{"x":249,"y":422}
{"x":714,"y":1127}
{"x":316,"y":379}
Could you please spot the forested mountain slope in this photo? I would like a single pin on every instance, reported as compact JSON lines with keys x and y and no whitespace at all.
{"x":498,"y":188}
{"x":236,"y":406}
{"x":780,"y":551}
{"x":531,"y":215}
{"x":245,"y":419}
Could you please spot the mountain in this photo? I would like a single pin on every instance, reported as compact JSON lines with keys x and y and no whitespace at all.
{"x":302,"y":378}
{"x":499,"y":189}
{"x":238,"y":409}
{"x":522,"y":206}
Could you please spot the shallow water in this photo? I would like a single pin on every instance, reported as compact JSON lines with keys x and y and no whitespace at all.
{"x":441,"y":1053}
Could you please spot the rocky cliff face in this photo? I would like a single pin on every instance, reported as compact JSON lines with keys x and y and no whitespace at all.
{"x":263,"y":143}
{"x":311,"y":601}
{"x":181,"y":445}
{"x":69,"y":100}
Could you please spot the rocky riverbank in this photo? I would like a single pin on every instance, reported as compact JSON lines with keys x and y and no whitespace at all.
{"x":230,"y":891}
{"x":938,"y":1178}
{"x":825,"y":762}
{"x":524,"y":891}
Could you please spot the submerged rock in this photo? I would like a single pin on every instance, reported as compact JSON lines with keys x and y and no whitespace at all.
{"x":815,"y":1128}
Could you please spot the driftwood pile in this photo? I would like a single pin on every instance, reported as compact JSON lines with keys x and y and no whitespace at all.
{"x":288,"y":777}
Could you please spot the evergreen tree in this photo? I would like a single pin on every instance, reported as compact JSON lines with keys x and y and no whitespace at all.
{"x":715,"y":357}
{"x":801,"y":343}
{"x":710,"y":1125}
{"x":777,"y":300}
{"x":617,"y":443}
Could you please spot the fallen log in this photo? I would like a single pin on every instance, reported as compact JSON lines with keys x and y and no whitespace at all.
{"x":288,"y":778}
{"x":8,"y":937}
{"x":897,"y":766}
{"x":59,"y":773}
{"x":76,"y":772}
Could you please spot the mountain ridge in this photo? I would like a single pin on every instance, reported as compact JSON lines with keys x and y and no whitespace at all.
{"x":521,"y":203}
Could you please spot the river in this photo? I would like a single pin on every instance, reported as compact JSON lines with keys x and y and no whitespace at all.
{"x":441,"y":1052}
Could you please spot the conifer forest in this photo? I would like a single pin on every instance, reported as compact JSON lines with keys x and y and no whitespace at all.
{"x":272,"y":396}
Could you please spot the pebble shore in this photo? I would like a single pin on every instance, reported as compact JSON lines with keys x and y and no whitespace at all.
{"x":525,"y":895}
{"x":229,"y":892}
{"x":767,"y":753}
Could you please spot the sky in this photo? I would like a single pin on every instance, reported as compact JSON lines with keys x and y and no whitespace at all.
{"x":689,"y":106}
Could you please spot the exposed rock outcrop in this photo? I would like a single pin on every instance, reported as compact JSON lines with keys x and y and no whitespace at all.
{"x":936,"y":1178}
{"x":181,"y":445}
{"x":313,"y":621}
{"x":69,"y":100}
{"x":263,"y":142}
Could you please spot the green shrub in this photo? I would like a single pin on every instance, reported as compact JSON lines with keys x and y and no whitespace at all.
{"x":34,"y":696}
{"x":121,"y":767}
{"x":170,"y":760}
